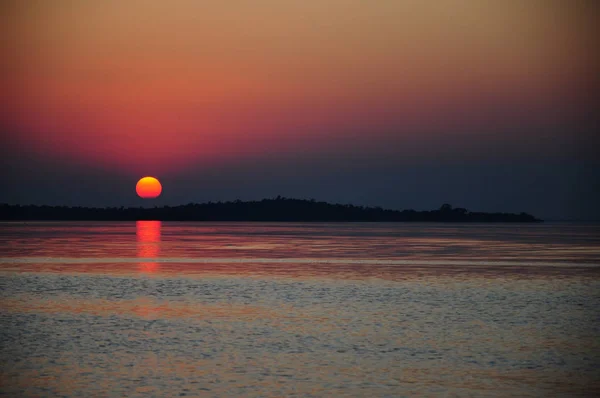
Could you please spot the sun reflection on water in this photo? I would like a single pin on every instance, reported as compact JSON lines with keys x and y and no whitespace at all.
{"x":148,"y":244}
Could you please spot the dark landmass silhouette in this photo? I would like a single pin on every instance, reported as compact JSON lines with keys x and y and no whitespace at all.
{"x":277,"y":209}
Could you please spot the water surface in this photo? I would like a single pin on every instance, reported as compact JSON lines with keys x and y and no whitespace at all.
{"x":291,"y":309}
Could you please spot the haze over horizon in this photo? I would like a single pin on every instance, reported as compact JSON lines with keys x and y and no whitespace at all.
{"x":487,"y":105}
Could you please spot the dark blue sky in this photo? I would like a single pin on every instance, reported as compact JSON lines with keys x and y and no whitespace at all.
{"x":562,"y":187}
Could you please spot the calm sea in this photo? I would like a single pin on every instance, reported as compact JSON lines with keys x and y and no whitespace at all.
{"x":290,"y":309}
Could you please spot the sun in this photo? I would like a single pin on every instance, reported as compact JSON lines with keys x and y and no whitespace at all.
{"x":148,"y":188}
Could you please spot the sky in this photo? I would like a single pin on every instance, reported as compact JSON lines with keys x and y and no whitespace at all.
{"x":490,"y":105}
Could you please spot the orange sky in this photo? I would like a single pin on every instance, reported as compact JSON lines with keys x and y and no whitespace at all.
{"x":150,"y":86}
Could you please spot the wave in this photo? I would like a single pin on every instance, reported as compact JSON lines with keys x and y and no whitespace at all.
{"x":248,"y":260}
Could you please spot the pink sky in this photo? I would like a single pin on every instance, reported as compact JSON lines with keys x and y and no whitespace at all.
{"x":155,"y":86}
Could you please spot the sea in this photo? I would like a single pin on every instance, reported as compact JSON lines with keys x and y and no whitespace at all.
{"x":169,"y":309}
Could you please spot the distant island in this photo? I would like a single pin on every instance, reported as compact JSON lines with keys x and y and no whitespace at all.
{"x":277,"y":209}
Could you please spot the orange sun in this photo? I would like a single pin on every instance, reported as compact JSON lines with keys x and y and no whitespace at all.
{"x":148,"y":188}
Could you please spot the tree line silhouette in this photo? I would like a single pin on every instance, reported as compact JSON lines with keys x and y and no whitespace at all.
{"x":277,"y":209}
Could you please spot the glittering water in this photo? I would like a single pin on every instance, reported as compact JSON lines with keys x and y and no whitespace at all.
{"x":234,"y":309}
